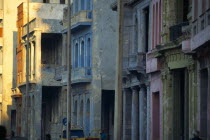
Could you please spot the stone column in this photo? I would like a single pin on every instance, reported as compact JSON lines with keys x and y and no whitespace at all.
{"x":142,"y":113}
{"x":64,"y":40}
{"x":167,"y":113}
{"x":135,"y":114}
{"x":148,"y":112}
{"x":126,"y":114}
{"x":208,"y":108}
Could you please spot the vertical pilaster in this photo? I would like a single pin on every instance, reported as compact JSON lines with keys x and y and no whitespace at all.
{"x":38,"y":97}
{"x":148,"y":112}
{"x":126,"y":113}
{"x":208,"y":108}
{"x":167,"y":122}
{"x":64,"y":49}
{"x":142,"y":113}
{"x":135,"y":119}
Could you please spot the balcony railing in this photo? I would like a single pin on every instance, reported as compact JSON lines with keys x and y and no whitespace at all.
{"x":83,"y":74}
{"x":135,"y":62}
{"x":82,"y":16}
{"x":32,"y":25}
{"x":176,"y":30}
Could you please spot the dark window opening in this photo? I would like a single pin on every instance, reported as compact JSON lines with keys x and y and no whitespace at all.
{"x":46,"y":1}
{"x":146,"y":12}
{"x":62,"y":1}
{"x":204,"y":104}
{"x":202,"y":24}
{"x":136,"y":35}
{"x":156,"y":116}
{"x":185,"y":10}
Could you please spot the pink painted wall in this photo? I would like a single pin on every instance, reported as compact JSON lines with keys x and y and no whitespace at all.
{"x":156,"y":86}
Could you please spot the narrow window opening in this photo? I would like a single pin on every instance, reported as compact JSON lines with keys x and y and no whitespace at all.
{"x":202,"y":24}
{"x":82,"y":54}
{"x":76,"y":55}
{"x":88,"y":53}
{"x":146,"y":12}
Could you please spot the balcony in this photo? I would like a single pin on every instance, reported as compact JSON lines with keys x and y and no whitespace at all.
{"x":48,"y":75}
{"x":135,"y":62}
{"x":81,"y":19}
{"x":81,"y":75}
{"x":176,"y":30}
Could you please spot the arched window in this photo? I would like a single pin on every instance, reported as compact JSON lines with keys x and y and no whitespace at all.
{"x":82,"y":4}
{"x":81,"y":114}
{"x":75,"y":113}
{"x":76,"y":56}
{"x":88,"y":53}
{"x":88,"y":117}
{"x":82,"y":54}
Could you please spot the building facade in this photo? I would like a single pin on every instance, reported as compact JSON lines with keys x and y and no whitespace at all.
{"x":196,"y":43}
{"x":43,"y":106}
{"x":136,"y":43}
{"x":93,"y":33}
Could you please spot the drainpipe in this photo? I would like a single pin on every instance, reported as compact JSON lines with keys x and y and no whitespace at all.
{"x":27,"y":71}
{"x":118,"y":81}
{"x":69,"y":73}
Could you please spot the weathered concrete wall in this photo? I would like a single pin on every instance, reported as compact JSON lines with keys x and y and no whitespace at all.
{"x":104,"y":42}
{"x":9,"y":42}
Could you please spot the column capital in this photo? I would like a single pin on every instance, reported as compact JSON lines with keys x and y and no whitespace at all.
{"x":135,"y":88}
{"x":127,"y":89}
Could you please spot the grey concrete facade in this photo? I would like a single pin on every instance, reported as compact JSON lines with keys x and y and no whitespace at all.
{"x":136,"y":121}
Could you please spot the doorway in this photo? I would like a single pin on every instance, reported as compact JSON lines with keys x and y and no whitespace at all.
{"x":107,"y":113}
{"x":180,"y":104}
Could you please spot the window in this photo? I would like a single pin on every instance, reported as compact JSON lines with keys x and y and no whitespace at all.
{"x":82,"y":54}
{"x":82,"y":4}
{"x":62,"y":1}
{"x":76,"y":6}
{"x":203,"y":6}
{"x":1,"y":32}
{"x":81,"y":114}
{"x":88,"y":4}
{"x":136,"y":35}
{"x":76,"y":58}
{"x":88,"y":52}
{"x":195,"y":9}
{"x":75,"y":113}
{"x":46,"y":1}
